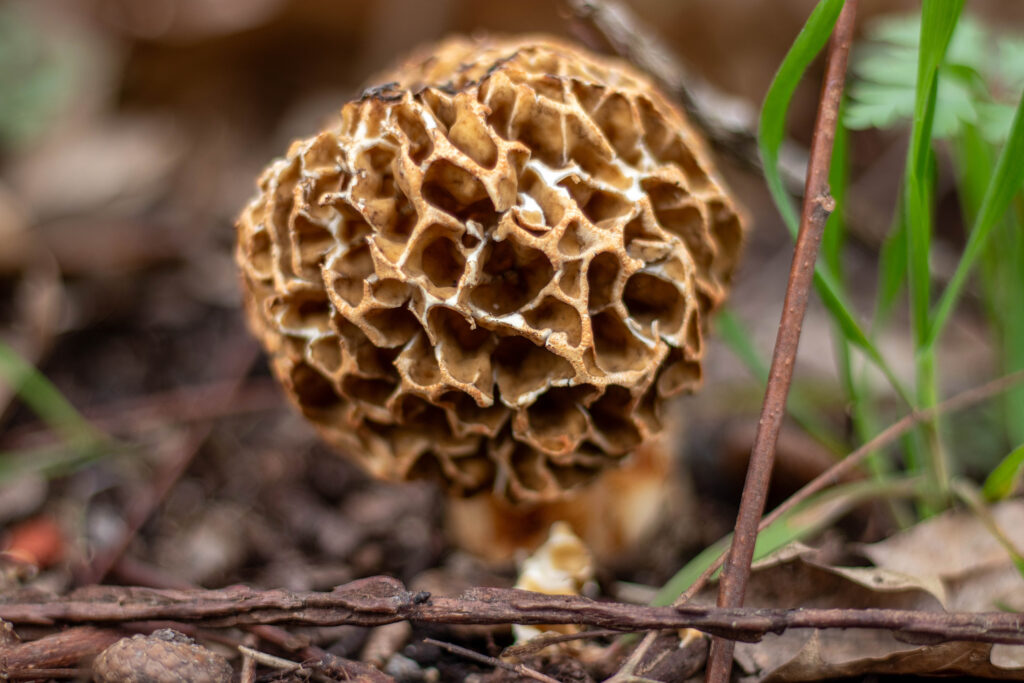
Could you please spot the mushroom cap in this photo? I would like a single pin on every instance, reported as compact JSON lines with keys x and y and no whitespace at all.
{"x":492,"y":269}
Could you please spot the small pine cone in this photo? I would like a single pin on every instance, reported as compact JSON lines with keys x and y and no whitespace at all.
{"x":493,"y":269}
{"x":165,"y":656}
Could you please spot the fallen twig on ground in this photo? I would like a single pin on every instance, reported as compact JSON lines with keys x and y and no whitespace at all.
{"x":520,"y":669}
{"x":131,"y":571}
{"x":383,"y":600}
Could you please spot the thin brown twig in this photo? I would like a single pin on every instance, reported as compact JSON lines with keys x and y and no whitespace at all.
{"x":856,"y":457}
{"x":383,"y":600}
{"x":817,"y":206}
{"x":299,"y":646}
{"x":538,"y":643}
{"x":627,"y":673}
{"x":272,"y":662}
{"x":45,"y":674}
{"x":249,"y":665}
{"x":346,"y":669}
{"x":520,"y":669}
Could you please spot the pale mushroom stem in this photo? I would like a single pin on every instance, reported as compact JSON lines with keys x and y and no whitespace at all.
{"x":615,"y":516}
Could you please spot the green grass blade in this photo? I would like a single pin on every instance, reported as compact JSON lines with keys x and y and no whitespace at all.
{"x":1012,"y":282}
{"x":938,"y":20}
{"x":1000,"y":264}
{"x":832,"y":244}
{"x":853,"y":332}
{"x":1006,"y":181}
{"x":771,"y":132}
{"x":685,"y":577}
{"x":840,"y":309}
{"x":919,"y":189}
{"x":772,"y":129}
{"x":834,"y":237}
{"x":82,"y":443}
{"x":892,"y":271}
{"x":731,"y":331}
{"x":44,"y":399}
{"x":1003,"y":480}
{"x":974,"y":158}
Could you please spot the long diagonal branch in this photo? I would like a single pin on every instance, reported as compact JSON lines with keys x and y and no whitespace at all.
{"x":817,"y":206}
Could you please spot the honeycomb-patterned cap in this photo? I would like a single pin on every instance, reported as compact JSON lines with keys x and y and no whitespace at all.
{"x":492,"y":269}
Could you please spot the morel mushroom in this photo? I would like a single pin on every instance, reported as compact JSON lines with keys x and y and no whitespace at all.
{"x":493,"y":269}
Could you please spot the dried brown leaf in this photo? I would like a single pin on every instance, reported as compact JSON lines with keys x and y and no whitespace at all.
{"x":950,"y":562}
{"x":956,"y":549}
{"x":836,"y":655}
